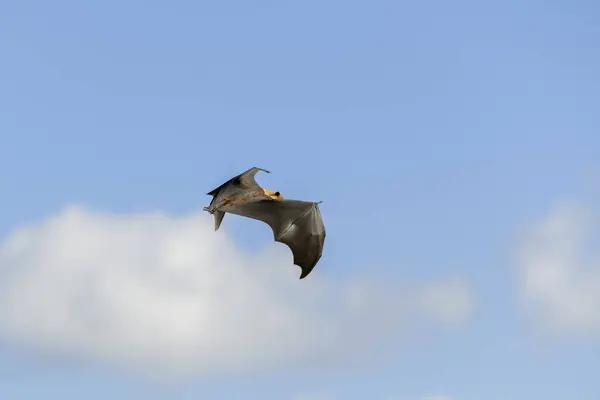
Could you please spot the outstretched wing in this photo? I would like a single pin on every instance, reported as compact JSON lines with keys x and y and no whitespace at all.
{"x":245,"y":180}
{"x":298,"y":224}
{"x":234,"y":187}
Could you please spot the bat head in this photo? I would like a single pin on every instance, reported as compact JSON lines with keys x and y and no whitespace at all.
{"x":273,"y":195}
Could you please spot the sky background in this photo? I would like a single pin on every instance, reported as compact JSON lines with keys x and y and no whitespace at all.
{"x":455,"y":147}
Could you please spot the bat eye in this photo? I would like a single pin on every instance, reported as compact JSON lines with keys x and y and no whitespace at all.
{"x":277,"y":194}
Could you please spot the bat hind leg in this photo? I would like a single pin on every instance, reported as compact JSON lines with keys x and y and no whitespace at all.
{"x":218,"y":216}
{"x":218,"y":219}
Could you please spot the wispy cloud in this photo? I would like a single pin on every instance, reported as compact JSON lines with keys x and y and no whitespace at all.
{"x":163,"y":295}
{"x":559,"y":272}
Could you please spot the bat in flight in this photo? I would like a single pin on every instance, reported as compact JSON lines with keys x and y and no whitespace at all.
{"x":296,"y":223}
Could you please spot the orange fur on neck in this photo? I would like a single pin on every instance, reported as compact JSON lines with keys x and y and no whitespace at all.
{"x":272,"y":194}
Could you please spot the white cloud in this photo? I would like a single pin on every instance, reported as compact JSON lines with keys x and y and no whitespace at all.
{"x":164,"y":295}
{"x":559,"y":273}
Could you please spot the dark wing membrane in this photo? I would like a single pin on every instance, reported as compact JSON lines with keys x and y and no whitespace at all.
{"x":245,"y":180}
{"x":306,"y":238}
{"x":296,"y":223}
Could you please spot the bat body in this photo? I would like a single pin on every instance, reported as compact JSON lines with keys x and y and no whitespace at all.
{"x":296,"y":223}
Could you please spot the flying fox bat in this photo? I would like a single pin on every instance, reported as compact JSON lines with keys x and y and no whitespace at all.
{"x":296,"y":223}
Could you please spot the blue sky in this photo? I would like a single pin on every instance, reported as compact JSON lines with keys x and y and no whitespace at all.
{"x":435,"y":133}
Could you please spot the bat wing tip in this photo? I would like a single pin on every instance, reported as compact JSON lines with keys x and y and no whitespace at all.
{"x":307,"y":269}
{"x":304,"y":274}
